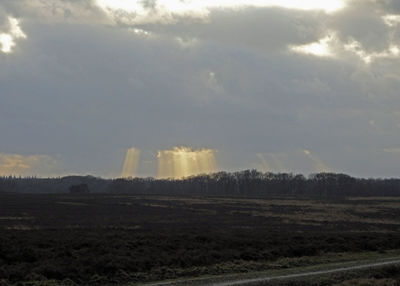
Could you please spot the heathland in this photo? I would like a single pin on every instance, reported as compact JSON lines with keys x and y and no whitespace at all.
{"x":117,"y":239}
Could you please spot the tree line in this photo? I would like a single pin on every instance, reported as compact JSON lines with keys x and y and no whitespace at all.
{"x":248,"y":183}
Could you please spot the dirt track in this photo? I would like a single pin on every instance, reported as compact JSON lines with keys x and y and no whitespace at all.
{"x":248,"y":281}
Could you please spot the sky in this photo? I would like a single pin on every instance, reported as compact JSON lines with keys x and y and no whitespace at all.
{"x":146,"y":88}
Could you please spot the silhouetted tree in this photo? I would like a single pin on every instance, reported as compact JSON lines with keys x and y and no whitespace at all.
{"x":248,"y":183}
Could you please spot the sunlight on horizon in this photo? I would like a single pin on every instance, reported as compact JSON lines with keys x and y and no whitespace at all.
{"x":318,"y":164}
{"x":273,"y":162}
{"x":26,"y":165}
{"x":131,"y":162}
{"x":182,"y":162}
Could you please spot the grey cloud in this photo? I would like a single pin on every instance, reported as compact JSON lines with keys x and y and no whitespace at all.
{"x":393,"y":6}
{"x":88,"y":92}
{"x":3,"y":20}
{"x":82,"y":11}
{"x":362,"y":21}
{"x":250,"y":27}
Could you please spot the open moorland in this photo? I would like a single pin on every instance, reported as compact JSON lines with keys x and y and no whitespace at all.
{"x":103,"y":239}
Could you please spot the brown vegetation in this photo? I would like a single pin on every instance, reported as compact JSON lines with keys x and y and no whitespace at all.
{"x":115,"y":239}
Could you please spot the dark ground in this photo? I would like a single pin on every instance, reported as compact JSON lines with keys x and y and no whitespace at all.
{"x":115,"y":239}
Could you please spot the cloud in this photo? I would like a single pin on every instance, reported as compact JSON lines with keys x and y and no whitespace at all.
{"x":391,"y":52}
{"x":321,"y":48}
{"x":7,"y":39}
{"x":392,"y":150}
{"x":225,"y":77}
{"x":55,"y":11}
{"x":354,"y":29}
{"x":166,"y":12}
{"x":391,"y":20}
{"x":31,"y":165}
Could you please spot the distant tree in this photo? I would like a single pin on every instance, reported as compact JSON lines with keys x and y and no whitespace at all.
{"x":247,"y":183}
{"x":79,"y":189}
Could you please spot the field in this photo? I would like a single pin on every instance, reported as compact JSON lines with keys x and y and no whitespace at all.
{"x":97,"y":239}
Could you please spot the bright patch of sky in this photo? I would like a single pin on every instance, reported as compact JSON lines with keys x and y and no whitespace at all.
{"x":187,"y":42}
{"x":354,"y":46}
{"x":392,"y":150}
{"x":322,"y":48}
{"x":7,"y":40}
{"x":165,"y":10}
{"x":131,"y":161}
{"x":141,"y":32}
{"x":392,"y":20}
{"x":16,"y":164}
{"x":325,"y":48}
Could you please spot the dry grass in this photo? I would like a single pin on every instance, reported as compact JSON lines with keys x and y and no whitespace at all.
{"x":78,"y":204}
{"x":16,"y":217}
{"x":368,"y":282}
